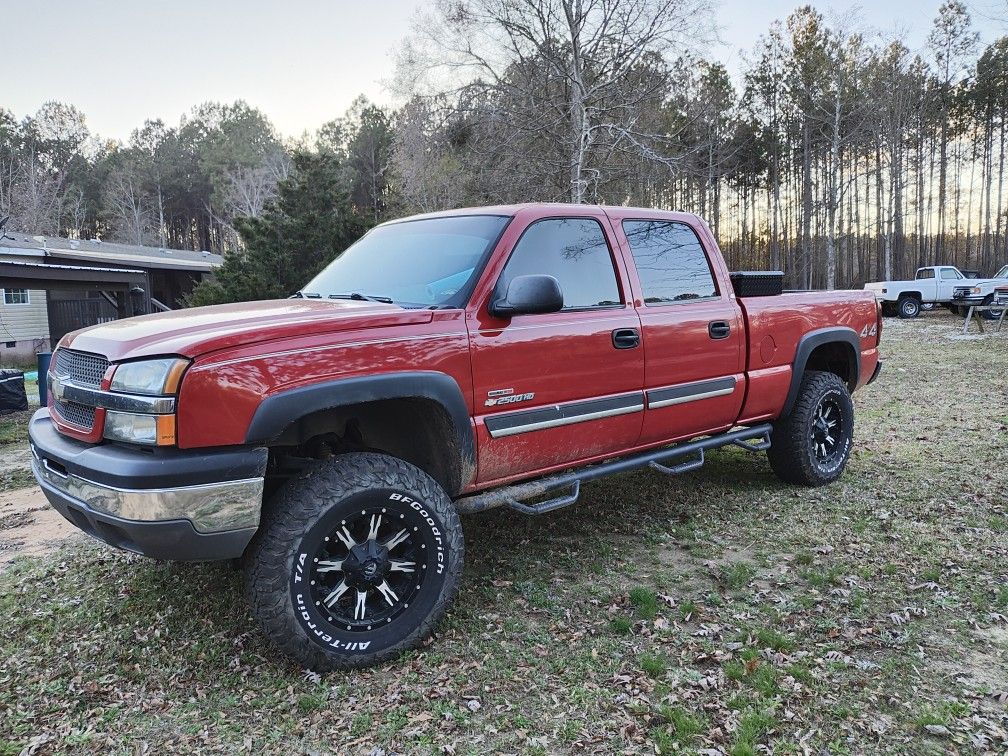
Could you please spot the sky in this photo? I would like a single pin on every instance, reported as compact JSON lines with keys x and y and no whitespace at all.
{"x":301,"y":62}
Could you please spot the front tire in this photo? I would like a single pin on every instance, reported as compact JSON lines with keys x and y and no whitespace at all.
{"x":990,"y":314}
{"x":356,"y":563}
{"x":811,"y":445}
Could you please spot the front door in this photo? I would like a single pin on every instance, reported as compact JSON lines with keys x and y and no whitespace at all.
{"x":561,"y":387}
{"x":948,"y":280}
{"x":693,"y":332}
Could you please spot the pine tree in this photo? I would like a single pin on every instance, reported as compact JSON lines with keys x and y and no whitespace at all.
{"x":306,"y":227}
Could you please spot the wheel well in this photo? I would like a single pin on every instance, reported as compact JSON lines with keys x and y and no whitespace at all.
{"x":416,"y":429}
{"x":834,"y":357}
{"x":911,"y":295}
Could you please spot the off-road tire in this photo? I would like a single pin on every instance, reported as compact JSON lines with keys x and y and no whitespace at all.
{"x":909,"y":307}
{"x":792,"y":454}
{"x":281,"y":569}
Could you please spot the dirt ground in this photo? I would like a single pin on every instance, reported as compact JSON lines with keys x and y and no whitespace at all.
{"x":29,"y":526}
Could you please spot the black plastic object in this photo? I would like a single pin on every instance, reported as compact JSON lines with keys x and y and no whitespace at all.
{"x":757,"y":283}
{"x":12,"y":392}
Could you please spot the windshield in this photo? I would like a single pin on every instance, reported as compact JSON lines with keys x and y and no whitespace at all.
{"x":421,"y":263}
{"x":1003,"y":273}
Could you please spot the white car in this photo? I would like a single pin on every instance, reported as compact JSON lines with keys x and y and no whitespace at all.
{"x":980,"y":292}
{"x":931,"y":285}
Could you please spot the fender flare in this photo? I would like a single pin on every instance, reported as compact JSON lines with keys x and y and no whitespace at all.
{"x":279,"y":411}
{"x":817,"y":338}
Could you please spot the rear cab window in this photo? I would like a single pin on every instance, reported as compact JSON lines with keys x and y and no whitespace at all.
{"x":671,"y":263}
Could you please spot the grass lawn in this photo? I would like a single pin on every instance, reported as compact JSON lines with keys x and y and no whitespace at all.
{"x":719,"y":611}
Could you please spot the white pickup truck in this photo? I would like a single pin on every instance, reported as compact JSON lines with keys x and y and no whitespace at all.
{"x":980,"y":292}
{"x":932,"y":285}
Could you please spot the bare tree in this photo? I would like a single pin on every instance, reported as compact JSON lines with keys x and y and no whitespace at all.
{"x":249,"y":189}
{"x":430,"y":173}
{"x":129,"y":210}
{"x":32,"y":197}
{"x":570,"y":72}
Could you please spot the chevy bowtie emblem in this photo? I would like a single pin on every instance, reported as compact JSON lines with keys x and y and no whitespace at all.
{"x":57,"y":388}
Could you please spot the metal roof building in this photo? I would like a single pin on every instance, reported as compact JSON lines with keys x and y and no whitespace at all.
{"x":50,"y":286}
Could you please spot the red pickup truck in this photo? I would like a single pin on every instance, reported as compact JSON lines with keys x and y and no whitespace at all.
{"x":443,"y":364}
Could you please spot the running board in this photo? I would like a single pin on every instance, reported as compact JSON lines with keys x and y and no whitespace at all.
{"x":754,"y":439}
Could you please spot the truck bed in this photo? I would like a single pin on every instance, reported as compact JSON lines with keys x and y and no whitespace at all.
{"x":776,"y":324}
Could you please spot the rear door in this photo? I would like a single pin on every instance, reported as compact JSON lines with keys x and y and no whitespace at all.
{"x":693,"y":331}
{"x":561,"y":387}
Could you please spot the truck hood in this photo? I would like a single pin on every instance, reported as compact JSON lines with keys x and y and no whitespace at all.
{"x":200,"y":330}
{"x":984,"y":282}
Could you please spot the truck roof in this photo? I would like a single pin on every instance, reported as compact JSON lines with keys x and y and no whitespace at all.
{"x":547,"y":209}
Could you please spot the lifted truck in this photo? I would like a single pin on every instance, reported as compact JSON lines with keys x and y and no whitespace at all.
{"x":444,"y":364}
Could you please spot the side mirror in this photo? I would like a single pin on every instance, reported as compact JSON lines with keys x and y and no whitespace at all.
{"x":528,"y":295}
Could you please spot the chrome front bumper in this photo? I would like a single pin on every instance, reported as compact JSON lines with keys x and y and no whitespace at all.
{"x":199,"y":504}
{"x":210,"y":508}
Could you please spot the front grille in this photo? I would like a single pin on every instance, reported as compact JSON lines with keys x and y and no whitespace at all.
{"x":961,"y":292}
{"x":84,"y":369}
{"x":80,"y":367}
{"x":75,"y":414}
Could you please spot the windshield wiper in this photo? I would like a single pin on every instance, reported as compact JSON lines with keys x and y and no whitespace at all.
{"x":305,"y":295}
{"x":361,"y":297}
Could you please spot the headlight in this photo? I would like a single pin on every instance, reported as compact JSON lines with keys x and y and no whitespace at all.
{"x":975,"y":290}
{"x":151,"y":430}
{"x":160,"y":378}
{"x":150,"y":377}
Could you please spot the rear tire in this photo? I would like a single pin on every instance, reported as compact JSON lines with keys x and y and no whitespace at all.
{"x":909,"y":307}
{"x":356,"y":563}
{"x":811,"y":445}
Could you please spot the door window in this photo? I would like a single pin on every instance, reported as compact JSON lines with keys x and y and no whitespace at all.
{"x":671,"y":264}
{"x":572,"y":250}
{"x":949,"y":273}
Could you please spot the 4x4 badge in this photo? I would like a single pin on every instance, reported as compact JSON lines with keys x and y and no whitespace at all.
{"x":506,"y":396}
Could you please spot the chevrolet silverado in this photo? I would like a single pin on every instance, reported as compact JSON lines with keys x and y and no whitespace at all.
{"x":444,"y":364}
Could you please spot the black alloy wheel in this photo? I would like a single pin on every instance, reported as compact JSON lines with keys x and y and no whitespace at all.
{"x":367,"y":569}
{"x":827,"y":430}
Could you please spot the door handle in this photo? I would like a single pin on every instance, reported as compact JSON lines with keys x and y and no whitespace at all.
{"x":718,"y":329}
{"x":626,"y":338}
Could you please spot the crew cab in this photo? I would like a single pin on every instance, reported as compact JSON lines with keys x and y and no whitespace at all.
{"x":934,"y":284}
{"x":444,"y":364}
